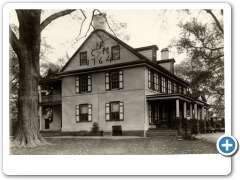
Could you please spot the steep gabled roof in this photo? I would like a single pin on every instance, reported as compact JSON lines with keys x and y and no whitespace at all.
{"x":110,"y":35}
{"x":128,"y":48}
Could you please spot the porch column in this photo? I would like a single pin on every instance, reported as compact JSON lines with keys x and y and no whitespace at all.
{"x":195,"y":111}
{"x":184,"y":109}
{"x":177,"y":108}
{"x":207,"y":114}
{"x":190,"y":111}
{"x":202,"y":113}
{"x":198,"y":114}
{"x":40,"y":107}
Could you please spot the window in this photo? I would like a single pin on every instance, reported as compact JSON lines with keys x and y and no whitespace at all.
{"x":169,"y":87}
{"x":83,"y":84}
{"x":115,"y":52}
{"x":114,"y":111}
{"x":163,"y":85}
{"x":184,"y":90}
{"x":84,"y":113}
{"x":156,"y":82}
{"x":180,"y":89}
{"x":175,"y":90}
{"x":114,"y":80}
{"x":150,"y":79}
{"x":83,"y":58}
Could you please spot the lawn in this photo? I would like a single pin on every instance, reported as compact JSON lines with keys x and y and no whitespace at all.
{"x":134,"y":146}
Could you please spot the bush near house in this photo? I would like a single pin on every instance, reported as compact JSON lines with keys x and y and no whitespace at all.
{"x":194,"y":126}
{"x":178,"y":125}
{"x":202,"y":126}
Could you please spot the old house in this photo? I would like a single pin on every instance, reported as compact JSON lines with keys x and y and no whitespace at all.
{"x":119,"y":87}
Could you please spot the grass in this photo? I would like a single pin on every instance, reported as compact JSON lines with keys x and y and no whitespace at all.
{"x":134,"y":146}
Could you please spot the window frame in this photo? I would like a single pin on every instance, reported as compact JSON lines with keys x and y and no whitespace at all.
{"x":163,"y":83}
{"x":108,"y":113}
{"x":78,"y":113}
{"x":108,"y":81}
{"x":81,"y":64}
{"x":78,"y":85}
{"x":117,"y":46}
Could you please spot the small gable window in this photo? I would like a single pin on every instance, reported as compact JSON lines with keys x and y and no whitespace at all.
{"x":116,"y":52}
{"x":83,"y":58}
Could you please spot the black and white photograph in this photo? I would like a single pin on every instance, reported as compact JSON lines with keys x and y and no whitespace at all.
{"x":109,"y":81}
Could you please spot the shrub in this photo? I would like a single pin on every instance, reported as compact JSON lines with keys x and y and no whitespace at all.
{"x":178,"y":125}
{"x":186,"y":129}
{"x":95,"y":128}
{"x":194,"y":126}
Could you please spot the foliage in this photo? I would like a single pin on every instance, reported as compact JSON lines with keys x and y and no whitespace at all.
{"x":204,"y":45}
{"x":194,"y":126}
{"x":95,"y":128}
{"x":187,"y":129}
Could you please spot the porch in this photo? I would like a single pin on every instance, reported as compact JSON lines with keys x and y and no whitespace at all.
{"x":166,"y":111}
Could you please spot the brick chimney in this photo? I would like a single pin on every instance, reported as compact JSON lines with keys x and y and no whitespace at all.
{"x":99,"y":21}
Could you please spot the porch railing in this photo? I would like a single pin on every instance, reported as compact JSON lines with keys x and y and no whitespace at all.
{"x":52,"y":98}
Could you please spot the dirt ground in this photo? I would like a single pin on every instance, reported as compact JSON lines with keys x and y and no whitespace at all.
{"x":212,"y":137}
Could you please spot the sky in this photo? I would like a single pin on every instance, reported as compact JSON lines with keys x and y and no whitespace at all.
{"x":143,"y":27}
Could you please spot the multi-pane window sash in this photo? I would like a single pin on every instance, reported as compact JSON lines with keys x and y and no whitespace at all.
{"x":163,"y":85}
{"x":83,"y":113}
{"x":83,"y":84}
{"x":184,"y":90}
{"x":180,"y":89}
{"x":114,"y":111}
{"x":114,"y":80}
{"x":150,"y":79}
{"x":174,"y":88}
{"x":115,"y":52}
{"x":83,"y":58}
{"x":169,"y":87}
{"x":156,"y":82}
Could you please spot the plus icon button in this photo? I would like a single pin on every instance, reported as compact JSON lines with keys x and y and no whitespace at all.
{"x":227,"y":145}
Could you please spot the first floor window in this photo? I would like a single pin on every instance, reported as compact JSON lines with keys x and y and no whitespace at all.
{"x":84,"y":113}
{"x":114,"y":111}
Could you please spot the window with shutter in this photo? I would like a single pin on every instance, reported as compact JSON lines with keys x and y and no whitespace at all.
{"x":163,"y":85}
{"x":116,"y":52}
{"x":84,"y":113}
{"x":114,"y":111}
{"x":150,"y":79}
{"x":114,"y":80}
{"x":156,"y":82}
{"x":83,"y":84}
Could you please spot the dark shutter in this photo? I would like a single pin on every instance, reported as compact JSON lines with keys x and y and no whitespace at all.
{"x":107,"y":81}
{"x":77,"y":113}
{"x":120,"y":79}
{"x":89,"y":112}
{"x":107,"y":108}
{"x":89,"y":83}
{"x":121,"y":111}
{"x":77,"y":84}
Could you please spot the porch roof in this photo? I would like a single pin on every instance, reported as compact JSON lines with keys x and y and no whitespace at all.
{"x":184,"y":97}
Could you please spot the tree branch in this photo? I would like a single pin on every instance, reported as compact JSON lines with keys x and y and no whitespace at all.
{"x":13,"y":40}
{"x":55,"y":16}
{"x":215,"y":19}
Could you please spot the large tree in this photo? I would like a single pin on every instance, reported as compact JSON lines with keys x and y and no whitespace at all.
{"x":203,"y":42}
{"x":26,"y":45}
{"x":27,"y":48}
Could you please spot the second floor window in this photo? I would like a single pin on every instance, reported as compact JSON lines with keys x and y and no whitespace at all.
{"x":114,"y":80}
{"x":175,"y":88}
{"x":83,"y":84}
{"x":180,"y":89}
{"x":83,"y":58}
{"x":169,"y":87}
{"x":163,"y":85}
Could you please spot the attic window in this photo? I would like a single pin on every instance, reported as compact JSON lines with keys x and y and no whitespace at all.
{"x":83,"y":58}
{"x":116,"y":52}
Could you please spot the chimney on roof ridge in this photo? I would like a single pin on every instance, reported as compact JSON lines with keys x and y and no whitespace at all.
{"x":164,"y":54}
{"x":99,"y":21}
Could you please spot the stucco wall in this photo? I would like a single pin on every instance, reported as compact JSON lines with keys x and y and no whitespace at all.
{"x":56,"y":124}
{"x":132,"y":95}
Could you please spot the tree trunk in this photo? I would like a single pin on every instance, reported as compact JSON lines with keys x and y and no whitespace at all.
{"x":27,"y":133}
